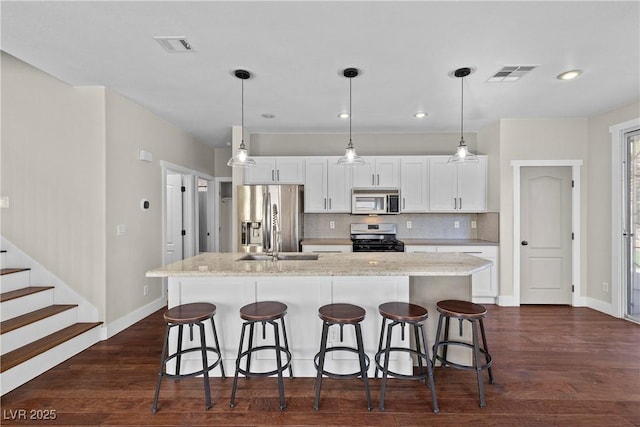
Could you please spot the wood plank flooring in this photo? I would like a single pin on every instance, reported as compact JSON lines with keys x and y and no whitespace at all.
{"x":553,"y":365}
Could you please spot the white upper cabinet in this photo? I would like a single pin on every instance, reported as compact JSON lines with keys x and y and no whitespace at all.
{"x":382,"y":172}
{"x":276,"y":170}
{"x":457,"y":187}
{"x":327,"y":186}
{"x":414,"y":184}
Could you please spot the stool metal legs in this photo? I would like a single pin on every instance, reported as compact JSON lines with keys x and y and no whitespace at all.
{"x":362,"y":359}
{"x":178,"y":356}
{"x":477,"y":366}
{"x":279,"y":349}
{"x":421,"y":352}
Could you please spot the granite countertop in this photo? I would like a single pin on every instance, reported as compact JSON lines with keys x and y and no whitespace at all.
{"x":214,"y":264}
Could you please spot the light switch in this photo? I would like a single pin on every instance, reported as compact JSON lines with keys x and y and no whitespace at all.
{"x":4,"y":202}
{"x":121,"y":230}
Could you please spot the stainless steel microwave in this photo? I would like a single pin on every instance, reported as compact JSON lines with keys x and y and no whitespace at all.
{"x":375,"y":201}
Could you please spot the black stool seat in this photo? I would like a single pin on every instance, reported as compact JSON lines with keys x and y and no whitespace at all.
{"x":263,"y":312}
{"x":194,"y":314}
{"x":475,"y":314}
{"x":400,"y":313}
{"x":341,"y":314}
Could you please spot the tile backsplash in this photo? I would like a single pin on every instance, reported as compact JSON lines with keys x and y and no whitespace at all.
{"x":423,"y":226}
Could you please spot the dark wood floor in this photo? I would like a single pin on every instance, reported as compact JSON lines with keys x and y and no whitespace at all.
{"x":553,"y":365}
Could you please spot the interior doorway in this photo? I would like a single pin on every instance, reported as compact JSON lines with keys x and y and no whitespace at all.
{"x":224,"y":215}
{"x":576,"y":300}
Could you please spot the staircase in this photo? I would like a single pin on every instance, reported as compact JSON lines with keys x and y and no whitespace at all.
{"x":35,"y":333}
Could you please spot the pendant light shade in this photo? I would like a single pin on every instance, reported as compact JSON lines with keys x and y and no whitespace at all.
{"x":462,"y":155}
{"x":241,"y":159}
{"x":350,"y":157}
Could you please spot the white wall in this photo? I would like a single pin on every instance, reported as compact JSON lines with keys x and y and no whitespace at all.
{"x":71,"y":171}
{"x":599,"y":198}
{"x":53,"y":171}
{"x":536,"y":139}
{"x":129,"y":128}
{"x":489,"y":144}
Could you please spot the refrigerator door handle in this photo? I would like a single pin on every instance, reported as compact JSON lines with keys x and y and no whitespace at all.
{"x":266,"y":235}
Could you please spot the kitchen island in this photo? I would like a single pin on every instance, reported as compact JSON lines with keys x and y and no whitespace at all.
{"x":366,"y":279}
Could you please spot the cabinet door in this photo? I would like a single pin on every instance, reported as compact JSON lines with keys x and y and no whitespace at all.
{"x":420,"y":248}
{"x":443,"y":181}
{"x":414,"y":184}
{"x":364,"y":175}
{"x":319,"y":249}
{"x":472,"y":186}
{"x":289,"y":170}
{"x":315,"y":186}
{"x":264,"y":172}
{"x":338,"y":187}
{"x":387,"y":172}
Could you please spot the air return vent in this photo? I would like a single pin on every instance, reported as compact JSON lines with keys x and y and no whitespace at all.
{"x":174,"y":44}
{"x":511,"y":73}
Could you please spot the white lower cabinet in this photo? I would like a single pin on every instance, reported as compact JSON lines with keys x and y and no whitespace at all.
{"x":484,"y":284}
{"x":318,"y":249}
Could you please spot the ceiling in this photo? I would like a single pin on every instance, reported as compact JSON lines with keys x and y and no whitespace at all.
{"x":297,"y":50}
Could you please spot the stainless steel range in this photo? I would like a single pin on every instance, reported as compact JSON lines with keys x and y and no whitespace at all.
{"x":375,"y":238}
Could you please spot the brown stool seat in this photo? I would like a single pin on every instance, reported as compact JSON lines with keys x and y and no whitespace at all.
{"x":461,"y":309}
{"x":190,"y":313}
{"x":403,"y":312}
{"x":341,"y":313}
{"x":263,"y":311}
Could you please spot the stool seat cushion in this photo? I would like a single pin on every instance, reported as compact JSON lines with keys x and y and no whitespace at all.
{"x":341,"y":313}
{"x":263,"y":310}
{"x":403,"y":311}
{"x":461,"y":309}
{"x":190,"y":313}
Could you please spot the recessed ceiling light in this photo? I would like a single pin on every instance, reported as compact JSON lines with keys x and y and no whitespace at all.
{"x":420,"y":115}
{"x":343,"y":115}
{"x":569,"y":75}
{"x":268,"y":116}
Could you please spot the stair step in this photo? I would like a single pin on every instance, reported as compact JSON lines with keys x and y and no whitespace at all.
{"x":29,"y":351}
{"x":34,"y":316}
{"x":18,"y":293}
{"x":12,"y":270}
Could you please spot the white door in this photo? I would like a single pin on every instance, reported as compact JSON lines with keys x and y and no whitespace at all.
{"x":173,"y":224}
{"x":315,"y":188}
{"x":414,"y":184}
{"x":443,"y":184}
{"x":472,"y":186}
{"x":338,"y":187}
{"x":226,"y":207}
{"x":545,"y":230}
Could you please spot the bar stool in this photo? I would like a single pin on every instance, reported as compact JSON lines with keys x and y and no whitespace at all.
{"x":400,"y":313}
{"x":263,"y":312}
{"x":189,"y":314}
{"x":474,"y":313}
{"x":341,"y":314}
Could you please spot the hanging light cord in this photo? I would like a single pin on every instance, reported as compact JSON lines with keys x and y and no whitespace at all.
{"x":350,"y":143}
{"x":242,"y":110}
{"x":462,"y":109}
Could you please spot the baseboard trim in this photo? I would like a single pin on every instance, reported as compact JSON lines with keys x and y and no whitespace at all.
{"x":602,"y":306}
{"x":507,"y":301}
{"x":125,"y":321}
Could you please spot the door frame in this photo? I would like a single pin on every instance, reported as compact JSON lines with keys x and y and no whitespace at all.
{"x":618,"y":268}
{"x":577,"y":300}
{"x":216,"y":218}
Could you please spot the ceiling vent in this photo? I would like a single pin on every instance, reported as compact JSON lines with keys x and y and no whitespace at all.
{"x":511,"y":73}
{"x":174,"y":44}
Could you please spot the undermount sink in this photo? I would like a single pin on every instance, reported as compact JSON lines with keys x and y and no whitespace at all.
{"x":279,"y":257}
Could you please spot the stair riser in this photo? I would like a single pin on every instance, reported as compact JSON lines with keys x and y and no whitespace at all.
{"x":26,"y":304}
{"x":30,"y":369}
{"x":14,"y":281}
{"x":34,"y":331}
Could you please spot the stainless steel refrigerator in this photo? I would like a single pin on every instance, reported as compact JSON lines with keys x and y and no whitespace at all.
{"x":262,"y":206}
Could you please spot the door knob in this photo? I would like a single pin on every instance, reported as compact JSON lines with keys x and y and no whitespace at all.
{"x":525,"y":243}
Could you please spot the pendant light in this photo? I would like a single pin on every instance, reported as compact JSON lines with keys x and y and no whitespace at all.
{"x":241,"y":159}
{"x":463,"y":155}
{"x":350,"y":157}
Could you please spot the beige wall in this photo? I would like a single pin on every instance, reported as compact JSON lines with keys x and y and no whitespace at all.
{"x":329,"y":144}
{"x":599,"y":198}
{"x":129,"y":180}
{"x":53,"y":171}
{"x":71,"y":171}
{"x":489,"y":144}
{"x":536,"y":139}
{"x":222,"y":156}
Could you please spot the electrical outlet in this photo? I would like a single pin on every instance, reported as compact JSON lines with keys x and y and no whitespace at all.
{"x":121,"y":230}
{"x":474,"y":224}
{"x":145,"y":290}
{"x":605,"y":287}
{"x":333,"y":335}
{"x":456,"y":224}
{"x":332,"y":225}
{"x":409,"y":224}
